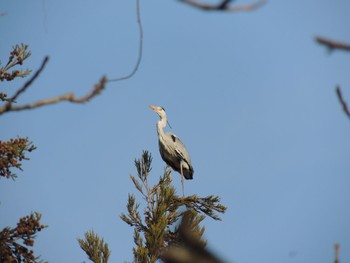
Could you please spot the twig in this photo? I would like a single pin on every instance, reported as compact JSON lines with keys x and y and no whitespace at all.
{"x":224,"y":6}
{"x":331,"y":44}
{"x":342,"y":101}
{"x":139,"y":57}
{"x":29,"y":82}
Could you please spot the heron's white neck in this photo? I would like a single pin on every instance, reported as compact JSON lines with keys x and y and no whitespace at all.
{"x":161,"y":124}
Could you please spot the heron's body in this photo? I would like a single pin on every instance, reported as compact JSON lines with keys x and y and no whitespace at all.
{"x":175,"y":154}
{"x":172,"y":150}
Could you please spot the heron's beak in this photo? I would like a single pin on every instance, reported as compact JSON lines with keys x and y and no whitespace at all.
{"x":153,"y":107}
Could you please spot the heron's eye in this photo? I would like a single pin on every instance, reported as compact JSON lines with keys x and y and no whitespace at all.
{"x":162,"y":108}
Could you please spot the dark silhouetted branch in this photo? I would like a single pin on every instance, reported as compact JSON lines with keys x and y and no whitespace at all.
{"x":224,"y":6}
{"x":192,"y":249}
{"x":331,"y":44}
{"x":139,"y":57}
{"x":28,"y":83}
{"x":342,"y":101}
{"x":8,"y":106}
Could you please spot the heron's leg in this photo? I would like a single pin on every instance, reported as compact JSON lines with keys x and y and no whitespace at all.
{"x":182,"y":181}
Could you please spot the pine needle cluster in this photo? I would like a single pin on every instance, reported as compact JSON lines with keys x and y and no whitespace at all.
{"x":95,"y":247}
{"x":158,"y":228}
{"x":12,"y":153}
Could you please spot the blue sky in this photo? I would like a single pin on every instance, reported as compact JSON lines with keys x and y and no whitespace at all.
{"x":250,"y":94}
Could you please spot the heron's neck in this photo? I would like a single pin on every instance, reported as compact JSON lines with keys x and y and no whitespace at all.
{"x":161,"y":124}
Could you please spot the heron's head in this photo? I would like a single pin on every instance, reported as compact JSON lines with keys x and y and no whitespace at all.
{"x":159,"y":110}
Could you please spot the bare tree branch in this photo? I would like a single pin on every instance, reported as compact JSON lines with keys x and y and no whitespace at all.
{"x":97,"y":89}
{"x":331,"y":44}
{"x":67,"y":97}
{"x":139,"y":57}
{"x":342,"y":101}
{"x":224,"y":6}
{"x":8,"y":106}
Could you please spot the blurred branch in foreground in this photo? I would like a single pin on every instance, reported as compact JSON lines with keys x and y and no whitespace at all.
{"x":224,"y":6}
{"x":342,"y":101}
{"x":331,"y":44}
{"x":336,"y":254}
{"x":192,"y":249}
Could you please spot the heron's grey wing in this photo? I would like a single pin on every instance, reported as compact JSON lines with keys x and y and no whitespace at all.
{"x":179,"y":151}
{"x":180,"y":148}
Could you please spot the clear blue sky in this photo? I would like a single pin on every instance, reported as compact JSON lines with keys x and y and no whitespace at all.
{"x":250,"y":94}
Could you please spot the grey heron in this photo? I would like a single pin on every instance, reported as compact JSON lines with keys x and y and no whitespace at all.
{"x":172,"y":150}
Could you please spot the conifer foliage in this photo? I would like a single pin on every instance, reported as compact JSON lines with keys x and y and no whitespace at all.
{"x":157,"y":229}
{"x":12,"y":153}
{"x":95,"y":247}
{"x":15,"y":242}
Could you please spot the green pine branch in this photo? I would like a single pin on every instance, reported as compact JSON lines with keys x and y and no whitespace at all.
{"x":95,"y":247}
{"x":158,"y":229}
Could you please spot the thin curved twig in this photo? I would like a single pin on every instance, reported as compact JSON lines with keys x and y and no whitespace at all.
{"x":224,"y":6}
{"x":30,"y":81}
{"x":342,"y":101}
{"x":139,"y":57}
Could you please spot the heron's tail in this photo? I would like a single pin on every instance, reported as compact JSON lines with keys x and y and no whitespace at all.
{"x":188,"y":173}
